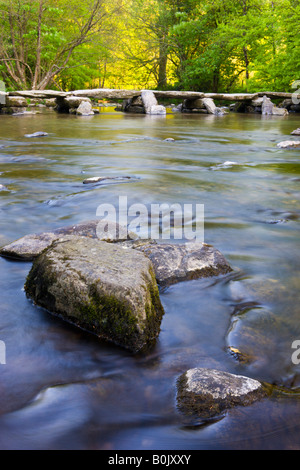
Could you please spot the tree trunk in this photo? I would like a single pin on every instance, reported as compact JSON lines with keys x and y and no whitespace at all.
{"x":245,"y":50}
{"x":38,"y":48}
{"x":162,"y":65}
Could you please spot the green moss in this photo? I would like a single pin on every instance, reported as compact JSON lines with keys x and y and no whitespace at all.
{"x":110,"y":318}
{"x":36,"y":286}
{"x":103,"y":313}
{"x":154,"y":309}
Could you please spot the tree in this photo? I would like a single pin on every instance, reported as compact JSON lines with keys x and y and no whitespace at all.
{"x":38,"y":38}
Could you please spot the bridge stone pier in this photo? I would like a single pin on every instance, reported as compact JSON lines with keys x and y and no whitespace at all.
{"x":80,"y":102}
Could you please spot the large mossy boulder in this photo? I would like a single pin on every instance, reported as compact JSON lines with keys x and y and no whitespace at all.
{"x":101,"y":287}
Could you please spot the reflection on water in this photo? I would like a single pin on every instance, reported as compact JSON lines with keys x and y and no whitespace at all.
{"x":62,"y":389}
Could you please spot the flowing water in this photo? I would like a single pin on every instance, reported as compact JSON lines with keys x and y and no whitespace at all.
{"x":61,"y":388}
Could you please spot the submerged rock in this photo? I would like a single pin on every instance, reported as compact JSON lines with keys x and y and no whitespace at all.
{"x":174,"y":263}
{"x":253,"y":334}
{"x":36,"y":134}
{"x":30,"y":246}
{"x":100,"y":287}
{"x":257,"y":335}
{"x":99,"y":179}
{"x":208,"y":392}
{"x":288,"y":144}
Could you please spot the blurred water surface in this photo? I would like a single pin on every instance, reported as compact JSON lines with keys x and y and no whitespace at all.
{"x":63,"y":389}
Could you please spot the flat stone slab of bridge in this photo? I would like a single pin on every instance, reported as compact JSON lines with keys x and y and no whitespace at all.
{"x":116,"y":94}
{"x":146,"y":101}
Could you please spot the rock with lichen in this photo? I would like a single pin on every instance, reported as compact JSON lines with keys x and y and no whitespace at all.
{"x":182,"y":262}
{"x":101,"y":287}
{"x":30,"y":246}
{"x":207,"y":393}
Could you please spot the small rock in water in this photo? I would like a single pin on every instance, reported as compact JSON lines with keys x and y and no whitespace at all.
{"x":289,"y":144}
{"x":85,"y":109}
{"x":209,"y":105}
{"x":227,"y":164}
{"x":208,"y":392}
{"x":169,"y":139}
{"x":94,"y":179}
{"x":37,"y":134}
{"x":267,"y":106}
{"x":175,"y":263}
{"x":150,"y":103}
{"x":98,"y":179}
{"x":3,"y":188}
{"x":296,"y":131}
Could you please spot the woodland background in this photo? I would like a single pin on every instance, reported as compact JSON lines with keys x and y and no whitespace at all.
{"x":209,"y":46}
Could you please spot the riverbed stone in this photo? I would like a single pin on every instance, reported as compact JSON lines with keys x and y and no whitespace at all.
{"x":207,"y":393}
{"x":50,"y":103}
{"x":209,"y":105}
{"x":16,"y":102}
{"x":289,"y":144}
{"x":85,"y":109}
{"x":36,"y":134}
{"x":182,"y":262}
{"x":253,"y":334}
{"x":172,"y":263}
{"x":30,"y":246}
{"x":296,"y":131}
{"x":75,"y":101}
{"x":267,"y":106}
{"x":159,"y":110}
{"x":150,"y":103}
{"x":12,"y":110}
{"x":100,"y":287}
{"x":257,"y":102}
{"x":279,"y":111}
{"x":100,"y":179}
{"x":287,"y":103}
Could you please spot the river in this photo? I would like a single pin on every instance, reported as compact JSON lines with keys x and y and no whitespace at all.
{"x":62,"y":388}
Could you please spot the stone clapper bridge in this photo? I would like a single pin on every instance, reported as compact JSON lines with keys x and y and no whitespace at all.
{"x":146,"y":101}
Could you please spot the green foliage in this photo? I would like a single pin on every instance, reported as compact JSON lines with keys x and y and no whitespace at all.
{"x":203,"y":45}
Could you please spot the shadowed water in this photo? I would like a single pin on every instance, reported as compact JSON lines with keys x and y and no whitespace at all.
{"x":63,"y":389}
